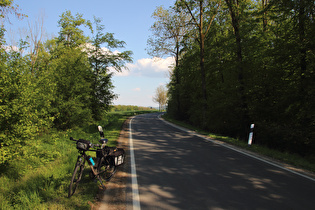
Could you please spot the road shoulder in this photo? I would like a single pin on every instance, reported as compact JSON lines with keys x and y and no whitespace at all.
{"x":114,"y":197}
{"x":299,"y":171}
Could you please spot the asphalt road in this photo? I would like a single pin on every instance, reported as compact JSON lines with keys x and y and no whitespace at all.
{"x":178,"y":170}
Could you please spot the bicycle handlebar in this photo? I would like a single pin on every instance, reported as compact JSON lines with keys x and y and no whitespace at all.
{"x":90,"y":144}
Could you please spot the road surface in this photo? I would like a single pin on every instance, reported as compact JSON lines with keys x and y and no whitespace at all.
{"x":174,"y":169}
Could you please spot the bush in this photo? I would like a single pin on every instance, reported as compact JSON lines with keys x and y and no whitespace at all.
{"x":39,"y":176}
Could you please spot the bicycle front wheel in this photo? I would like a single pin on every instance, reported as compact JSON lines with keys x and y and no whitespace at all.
{"x":76,"y":178}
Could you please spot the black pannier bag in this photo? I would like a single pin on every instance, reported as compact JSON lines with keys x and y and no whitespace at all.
{"x":118,"y":155}
{"x":83,"y":145}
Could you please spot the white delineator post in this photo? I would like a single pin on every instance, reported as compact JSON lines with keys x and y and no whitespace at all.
{"x":250,"y":137}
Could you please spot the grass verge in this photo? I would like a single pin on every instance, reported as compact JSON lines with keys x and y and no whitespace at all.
{"x":287,"y":158}
{"x":40,"y":175}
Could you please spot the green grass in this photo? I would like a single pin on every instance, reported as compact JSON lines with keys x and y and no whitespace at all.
{"x":40,"y":175}
{"x":307,"y":163}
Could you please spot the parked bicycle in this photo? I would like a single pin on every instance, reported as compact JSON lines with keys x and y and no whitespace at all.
{"x":103,"y":167}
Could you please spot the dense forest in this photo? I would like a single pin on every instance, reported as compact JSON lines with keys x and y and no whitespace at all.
{"x":240,"y":62}
{"x":57,"y":83}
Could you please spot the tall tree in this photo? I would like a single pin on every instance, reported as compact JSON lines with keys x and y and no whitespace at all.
{"x":202,"y":14}
{"x":23,"y":103}
{"x":169,"y":30}
{"x":101,"y":59}
{"x":160,"y":97}
{"x":72,"y":74}
{"x":235,"y":8}
{"x":36,"y":36}
{"x":294,"y":45}
{"x":70,"y":34}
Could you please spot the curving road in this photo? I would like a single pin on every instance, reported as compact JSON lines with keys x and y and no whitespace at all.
{"x":175,"y":169}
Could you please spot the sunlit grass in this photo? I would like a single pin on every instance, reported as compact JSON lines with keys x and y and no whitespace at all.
{"x":40,"y":175}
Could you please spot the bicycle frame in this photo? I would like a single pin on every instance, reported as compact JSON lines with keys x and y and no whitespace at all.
{"x":93,"y":167}
{"x":102,"y":169}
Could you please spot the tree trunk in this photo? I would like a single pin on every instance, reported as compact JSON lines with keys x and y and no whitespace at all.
{"x":233,"y":7}
{"x":202,"y":67}
{"x":177,"y":79}
{"x":202,"y":35}
{"x":265,"y":21}
{"x":303,"y":64}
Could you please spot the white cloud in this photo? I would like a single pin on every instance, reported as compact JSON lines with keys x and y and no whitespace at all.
{"x":103,"y":50}
{"x":123,"y":73}
{"x":137,"y":89}
{"x":11,"y":49}
{"x":148,"y":67}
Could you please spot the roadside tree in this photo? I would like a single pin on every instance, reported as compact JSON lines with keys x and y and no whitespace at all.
{"x":160,"y":97}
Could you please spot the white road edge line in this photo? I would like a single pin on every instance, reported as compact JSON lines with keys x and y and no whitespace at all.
{"x":134,"y":182}
{"x":242,"y":152}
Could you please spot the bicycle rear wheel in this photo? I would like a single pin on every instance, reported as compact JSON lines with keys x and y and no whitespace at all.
{"x":106,"y":169}
{"x":76,"y":177}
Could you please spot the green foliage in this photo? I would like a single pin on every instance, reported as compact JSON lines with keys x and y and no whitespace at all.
{"x":39,"y":177}
{"x":118,"y":108}
{"x":24,"y":103}
{"x":259,"y":62}
{"x":160,"y":97}
{"x":73,"y":79}
{"x":58,"y":85}
{"x":42,"y":93}
{"x":6,"y":7}
{"x":70,"y":34}
{"x":101,"y":59}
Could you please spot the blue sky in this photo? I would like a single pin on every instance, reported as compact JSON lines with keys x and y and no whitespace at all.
{"x":129,"y":20}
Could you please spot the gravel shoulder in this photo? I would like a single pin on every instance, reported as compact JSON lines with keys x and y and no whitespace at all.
{"x":115,"y":195}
